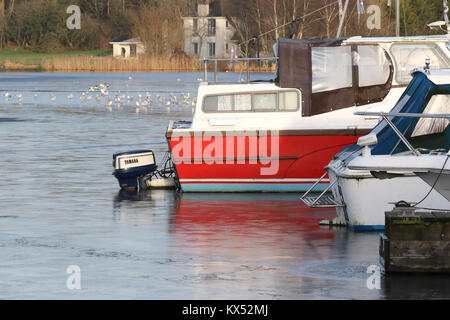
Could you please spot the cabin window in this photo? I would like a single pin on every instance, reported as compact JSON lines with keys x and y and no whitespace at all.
{"x":411,"y":56}
{"x":288,"y":101}
{"x":218,"y":103}
{"x":265,"y":102}
{"x":438,"y":104}
{"x":243,"y":102}
{"x":331,"y":68}
{"x":225,"y":103}
{"x":285,"y":101}
{"x":373,"y":66}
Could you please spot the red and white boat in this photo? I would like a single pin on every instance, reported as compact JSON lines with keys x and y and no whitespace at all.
{"x":278,"y":137}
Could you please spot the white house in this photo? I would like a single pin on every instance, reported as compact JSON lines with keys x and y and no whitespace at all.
{"x":207,"y":36}
{"x":130,"y":48}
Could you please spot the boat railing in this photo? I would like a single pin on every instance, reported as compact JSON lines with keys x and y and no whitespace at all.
{"x":385,"y":116}
{"x":207,"y":61}
{"x":328,"y":201}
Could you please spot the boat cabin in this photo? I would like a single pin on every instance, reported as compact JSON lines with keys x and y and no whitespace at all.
{"x":340,"y":73}
{"x":320,"y":78}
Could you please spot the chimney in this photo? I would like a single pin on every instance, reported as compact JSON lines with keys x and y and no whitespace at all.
{"x":203,"y":10}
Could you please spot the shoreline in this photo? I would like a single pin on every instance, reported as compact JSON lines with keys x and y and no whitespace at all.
{"x":38,"y":69}
{"x":143,"y":63}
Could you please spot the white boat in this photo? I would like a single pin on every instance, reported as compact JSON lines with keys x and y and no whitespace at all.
{"x":278,"y":136}
{"x":370,"y":177}
{"x":433,"y":167}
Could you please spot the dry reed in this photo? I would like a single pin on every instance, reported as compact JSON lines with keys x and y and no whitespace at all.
{"x":144,"y":63}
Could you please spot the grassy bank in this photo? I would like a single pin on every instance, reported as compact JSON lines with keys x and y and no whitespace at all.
{"x":13,"y":59}
{"x":102,"y":61}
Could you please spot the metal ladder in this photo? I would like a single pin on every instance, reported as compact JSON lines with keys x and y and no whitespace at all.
{"x":323,"y":200}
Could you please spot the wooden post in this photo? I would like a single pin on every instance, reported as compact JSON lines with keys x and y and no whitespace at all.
{"x":416,"y":241}
{"x":215,"y":71}
{"x":248,"y":71}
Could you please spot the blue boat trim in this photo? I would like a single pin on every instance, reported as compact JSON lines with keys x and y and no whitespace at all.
{"x":365,"y":228}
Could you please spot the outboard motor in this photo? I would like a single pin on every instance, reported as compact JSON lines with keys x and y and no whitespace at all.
{"x":131,"y":166}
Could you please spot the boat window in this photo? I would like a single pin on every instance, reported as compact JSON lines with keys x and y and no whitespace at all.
{"x":411,"y":56}
{"x":243,"y":102}
{"x":218,"y":103}
{"x":288,"y":101}
{"x":283,"y":101}
{"x":373,"y":66}
{"x":265,"y":102}
{"x":331,"y":68}
{"x":225,"y":103}
{"x":438,"y":104}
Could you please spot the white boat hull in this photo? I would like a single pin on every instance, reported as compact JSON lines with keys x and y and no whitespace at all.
{"x":367,"y":199}
{"x":440,"y":182}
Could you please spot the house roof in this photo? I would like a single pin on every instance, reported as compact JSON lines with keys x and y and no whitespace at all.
{"x":129,"y":41}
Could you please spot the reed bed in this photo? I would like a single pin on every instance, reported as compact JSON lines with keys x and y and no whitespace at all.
{"x":110,"y":64}
{"x":144,"y":63}
{"x":19,"y":66}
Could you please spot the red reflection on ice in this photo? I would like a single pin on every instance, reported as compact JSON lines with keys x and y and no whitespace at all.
{"x":268,"y":219}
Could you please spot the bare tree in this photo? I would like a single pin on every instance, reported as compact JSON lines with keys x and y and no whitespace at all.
{"x":6,"y":11}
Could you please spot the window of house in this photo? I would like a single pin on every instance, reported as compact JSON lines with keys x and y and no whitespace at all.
{"x":133,"y":50}
{"x":211,"y":49}
{"x":413,"y":55}
{"x":211,"y":27}
{"x":195,"y":25}
{"x":195,"y":45}
{"x":227,"y":24}
{"x":227,"y":48}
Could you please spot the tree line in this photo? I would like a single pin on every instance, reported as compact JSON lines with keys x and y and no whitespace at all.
{"x":40,"y":25}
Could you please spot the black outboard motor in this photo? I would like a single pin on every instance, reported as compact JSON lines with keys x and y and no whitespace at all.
{"x":130,"y":166}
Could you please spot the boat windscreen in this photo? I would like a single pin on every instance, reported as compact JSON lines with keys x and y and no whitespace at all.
{"x":415,"y":99}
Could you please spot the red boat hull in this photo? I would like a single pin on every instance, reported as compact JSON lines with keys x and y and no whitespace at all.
{"x":282,"y":163}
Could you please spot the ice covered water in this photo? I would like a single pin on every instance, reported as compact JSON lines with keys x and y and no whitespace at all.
{"x":60,"y":206}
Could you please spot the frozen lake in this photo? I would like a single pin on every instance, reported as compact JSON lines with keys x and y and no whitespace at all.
{"x":60,"y":206}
